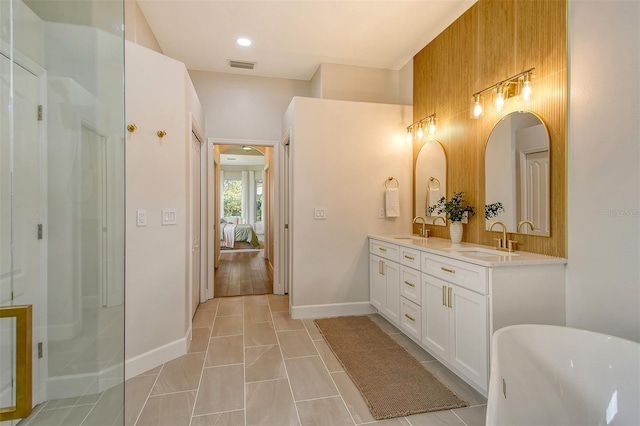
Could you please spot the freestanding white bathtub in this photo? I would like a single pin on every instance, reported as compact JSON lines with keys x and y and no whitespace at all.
{"x":547,"y":375}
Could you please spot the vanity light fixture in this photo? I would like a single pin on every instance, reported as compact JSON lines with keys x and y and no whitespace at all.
{"x":499,"y":102}
{"x":518,"y":85}
{"x":476,"y":106}
{"x":427,"y":124}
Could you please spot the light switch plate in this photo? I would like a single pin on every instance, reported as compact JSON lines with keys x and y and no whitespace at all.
{"x":169,"y":217}
{"x":381,"y":213}
{"x":319,"y":213}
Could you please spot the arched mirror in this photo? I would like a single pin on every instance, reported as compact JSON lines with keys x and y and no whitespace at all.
{"x":431,"y":180}
{"x":517,"y":175}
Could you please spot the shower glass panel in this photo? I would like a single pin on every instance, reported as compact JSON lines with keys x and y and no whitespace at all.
{"x":62,"y":212}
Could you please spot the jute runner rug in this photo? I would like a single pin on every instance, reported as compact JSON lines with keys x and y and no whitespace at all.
{"x":392,"y":382}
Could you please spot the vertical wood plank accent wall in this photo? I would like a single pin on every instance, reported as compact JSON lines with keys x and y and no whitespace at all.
{"x":494,"y":40}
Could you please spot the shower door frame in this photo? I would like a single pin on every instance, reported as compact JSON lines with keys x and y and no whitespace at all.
{"x":39,"y":321}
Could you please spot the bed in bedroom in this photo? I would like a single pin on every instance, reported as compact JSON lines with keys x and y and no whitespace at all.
{"x":230,"y":233}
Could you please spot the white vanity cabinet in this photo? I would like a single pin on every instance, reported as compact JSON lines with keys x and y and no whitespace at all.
{"x":451,"y":303}
{"x":384,"y":279}
{"x":455,"y":321}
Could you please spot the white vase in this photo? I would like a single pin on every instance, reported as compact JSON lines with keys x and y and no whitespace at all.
{"x":455,"y":230}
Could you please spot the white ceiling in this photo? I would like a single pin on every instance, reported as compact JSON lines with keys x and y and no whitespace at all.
{"x":291,"y":38}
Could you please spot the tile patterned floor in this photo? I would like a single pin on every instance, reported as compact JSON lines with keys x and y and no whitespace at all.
{"x":250,"y":364}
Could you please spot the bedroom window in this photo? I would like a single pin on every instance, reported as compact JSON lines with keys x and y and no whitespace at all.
{"x":232,"y":193}
{"x":258,"y":200}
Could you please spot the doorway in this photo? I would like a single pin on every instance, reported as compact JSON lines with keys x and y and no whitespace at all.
{"x":242,"y":219}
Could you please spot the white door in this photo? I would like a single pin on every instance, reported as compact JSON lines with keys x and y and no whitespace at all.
{"x":195,"y":221}
{"x":468,"y":334}
{"x":391,"y":272}
{"x":377,"y":284}
{"x":435,"y":321}
{"x":22,"y":246}
{"x":91,"y":181}
{"x":536,"y":192}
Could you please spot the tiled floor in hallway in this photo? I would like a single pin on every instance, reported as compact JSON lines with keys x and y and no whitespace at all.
{"x":250,"y":364}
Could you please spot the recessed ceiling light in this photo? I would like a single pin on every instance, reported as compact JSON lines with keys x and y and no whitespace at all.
{"x":246,"y":148}
{"x":244,"y":42}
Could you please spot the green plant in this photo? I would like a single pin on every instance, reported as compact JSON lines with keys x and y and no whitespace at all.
{"x":493,"y":210}
{"x":454,"y":209}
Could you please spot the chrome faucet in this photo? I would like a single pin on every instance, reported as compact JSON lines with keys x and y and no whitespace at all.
{"x":423,"y":231}
{"x":502,"y":242}
{"x":525,"y":222}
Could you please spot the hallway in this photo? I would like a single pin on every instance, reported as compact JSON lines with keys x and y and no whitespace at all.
{"x":243,"y":273}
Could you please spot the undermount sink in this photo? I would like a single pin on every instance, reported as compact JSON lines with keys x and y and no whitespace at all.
{"x":408,"y":237}
{"x":482,"y":252}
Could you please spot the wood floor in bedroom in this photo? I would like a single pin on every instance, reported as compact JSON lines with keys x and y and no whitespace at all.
{"x":243,"y":273}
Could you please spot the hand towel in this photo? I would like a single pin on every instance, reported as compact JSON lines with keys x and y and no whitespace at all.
{"x":392,"y":202}
{"x":433,"y":195}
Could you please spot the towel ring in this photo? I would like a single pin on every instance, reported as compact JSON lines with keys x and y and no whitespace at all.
{"x":391,"y":179}
{"x":431,"y":179}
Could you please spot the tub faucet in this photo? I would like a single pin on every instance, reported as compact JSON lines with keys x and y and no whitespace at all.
{"x":423,"y":231}
{"x":502,"y":242}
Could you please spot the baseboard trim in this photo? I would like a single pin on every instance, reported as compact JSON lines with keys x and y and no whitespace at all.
{"x":155,"y":357}
{"x":332,"y":310}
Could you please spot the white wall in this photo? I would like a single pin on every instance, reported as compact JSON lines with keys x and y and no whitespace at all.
{"x":342,"y":154}
{"x":158,"y":177}
{"x":137,"y":29}
{"x":603,"y":273}
{"x":360,"y":84}
{"x":406,"y":84}
{"x":245,"y":107}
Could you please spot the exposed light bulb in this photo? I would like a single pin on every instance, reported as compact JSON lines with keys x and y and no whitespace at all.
{"x":409,"y":136}
{"x":526,"y":91}
{"x":499,"y":100}
{"x":420,"y":133}
{"x":432,"y":127}
{"x":477,"y":108}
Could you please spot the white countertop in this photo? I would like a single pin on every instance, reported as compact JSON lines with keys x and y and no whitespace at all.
{"x":444,"y":247}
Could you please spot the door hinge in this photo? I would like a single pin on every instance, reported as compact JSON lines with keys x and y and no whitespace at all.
{"x":39,"y":350}
{"x":39,"y":112}
{"x":39,"y":231}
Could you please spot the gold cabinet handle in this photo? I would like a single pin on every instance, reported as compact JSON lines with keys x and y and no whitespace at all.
{"x":451,"y":271}
{"x":382,"y":249}
{"x":409,"y":257}
{"x":410,"y":317}
{"x":381,"y":267}
{"x":409,"y":284}
{"x":444,"y":295}
{"x":449,"y":299}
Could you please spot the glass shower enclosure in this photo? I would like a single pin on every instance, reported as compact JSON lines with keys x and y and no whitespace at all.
{"x":62,"y":212}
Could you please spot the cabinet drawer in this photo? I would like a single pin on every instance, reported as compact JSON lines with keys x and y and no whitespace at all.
{"x":410,"y":287}
{"x":467,"y":275}
{"x":410,"y":318}
{"x":410,"y":257}
{"x":382,"y":249}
